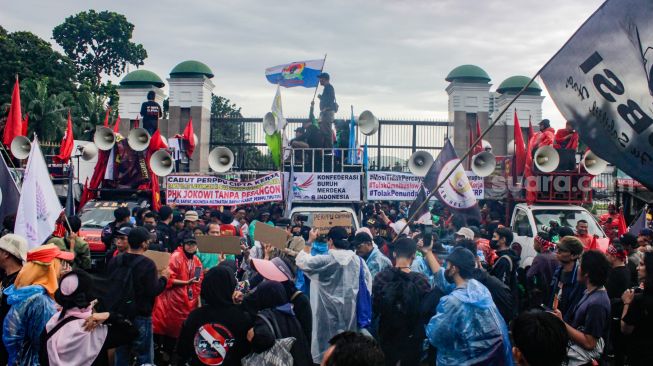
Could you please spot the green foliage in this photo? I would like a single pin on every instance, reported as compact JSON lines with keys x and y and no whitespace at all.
{"x":99,"y":43}
{"x":222,"y":107}
{"x":47,"y":111}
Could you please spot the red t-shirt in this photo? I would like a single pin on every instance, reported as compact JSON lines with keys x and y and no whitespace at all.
{"x":228,"y":230}
{"x":589,"y":241}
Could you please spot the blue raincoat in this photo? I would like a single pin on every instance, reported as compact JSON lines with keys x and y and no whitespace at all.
{"x":377,"y":262}
{"x":468,"y":329}
{"x":31,"y":308}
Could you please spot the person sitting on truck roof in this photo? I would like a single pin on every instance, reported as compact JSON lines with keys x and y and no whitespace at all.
{"x":121,"y":215}
{"x":589,"y":241}
{"x":566,"y":290}
{"x":74,"y":244}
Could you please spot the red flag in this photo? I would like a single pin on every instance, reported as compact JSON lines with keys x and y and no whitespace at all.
{"x":156,"y":142}
{"x":67,"y":143}
{"x":531,"y":132}
{"x":85,"y":197}
{"x":156,"y":192}
{"x":106,"y":117}
{"x":116,"y":126}
{"x":622,"y":229}
{"x":136,"y":122}
{"x":25,"y":124}
{"x":14,"y":124}
{"x":520,"y":149}
{"x":478,"y":148}
{"x":189,"y":136}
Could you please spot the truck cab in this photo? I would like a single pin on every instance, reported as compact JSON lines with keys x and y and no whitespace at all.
{"x":332,"y":215}
{"x":527,"y":220}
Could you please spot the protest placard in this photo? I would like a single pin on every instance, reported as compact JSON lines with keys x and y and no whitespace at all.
{"x":322,"y":222}
{"x":218,"y":244}
{"x":160,"y":259}
{"x":271,"y":235}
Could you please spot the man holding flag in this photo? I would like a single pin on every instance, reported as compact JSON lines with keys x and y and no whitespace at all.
{"x":328,"y":108}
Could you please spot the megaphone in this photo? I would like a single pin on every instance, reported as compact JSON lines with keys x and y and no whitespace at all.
{"x":138,"y":139}
{"x":483,"y":164}
{"x":89,"y":151}
{"x":593,"y":164}
{"x":486,"y":145}
{"x":368,"y":124}
{"x":221,"y":159}
{"x":20,"y":147}
{"x":104,"y":138}
{"x":420,"y":163}
{"x":511,"y":147}
{"x":161,"y":163}
{"x":269,"y":124}
{"x":546,"y":159}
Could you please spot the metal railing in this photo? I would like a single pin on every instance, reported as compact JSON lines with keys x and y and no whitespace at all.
{"x":334,"y":160}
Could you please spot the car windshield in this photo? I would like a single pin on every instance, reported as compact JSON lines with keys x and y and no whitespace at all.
{"x":99,"y":214}
{"x":323,"y":221}
{"x":567,"y":218}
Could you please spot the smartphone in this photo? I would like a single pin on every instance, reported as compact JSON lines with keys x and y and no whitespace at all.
{"x":545,"y":308}
{"x":198,"y":272}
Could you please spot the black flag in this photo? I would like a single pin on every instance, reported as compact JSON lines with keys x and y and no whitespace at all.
{"x":70,"y":197}
{"x":9,"y":194}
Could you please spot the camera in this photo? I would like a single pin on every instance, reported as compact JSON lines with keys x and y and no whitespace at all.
{"x":302,"y":218}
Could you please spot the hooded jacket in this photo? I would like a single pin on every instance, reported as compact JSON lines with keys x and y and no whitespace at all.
{"x":505,"y":267}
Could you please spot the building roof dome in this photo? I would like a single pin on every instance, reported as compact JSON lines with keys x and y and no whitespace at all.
{"x":516,"y":83}
{"x":142,"y":78}
{"x":191,"y":68}
{"x":468,"y":73}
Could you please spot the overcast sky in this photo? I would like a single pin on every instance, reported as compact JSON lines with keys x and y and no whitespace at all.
{"x":390,"y":57}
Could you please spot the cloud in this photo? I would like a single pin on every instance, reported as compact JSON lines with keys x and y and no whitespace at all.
{"x":390,"y":57}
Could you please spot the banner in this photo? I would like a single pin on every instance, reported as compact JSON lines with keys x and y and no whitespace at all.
{"x":603,"y":82}
{"x":206,"y":190}
{"x":393,"y":186}
{"x":345,"y":187}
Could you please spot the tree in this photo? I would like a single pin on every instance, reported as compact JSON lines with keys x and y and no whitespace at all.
{"x":99,"y":43}
{"x":47,"y":111}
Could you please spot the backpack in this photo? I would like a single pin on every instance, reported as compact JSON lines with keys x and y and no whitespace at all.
{"x":119,"y":295}
{"x":400,"y":305}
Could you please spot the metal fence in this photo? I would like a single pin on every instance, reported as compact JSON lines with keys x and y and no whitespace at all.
{"x":388,"y":149}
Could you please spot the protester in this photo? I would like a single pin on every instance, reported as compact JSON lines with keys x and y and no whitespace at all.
{"x":121,"y":215}
{"x":507,"y":262}
{"x":540,"y":273}
{"x":210,"y":260}
{"x":566,"y":290}
{"x":618,"y":281}
{"x":30,"y":298}
{"x":589,"y":327}
{"x":353,"y":349}
{"x":328,"y":108}
{"x":215,"y":333}
{"x":13,"y":251}
{"x":589,"y":241}
{"x":546,"y":135}
{"x":629,"y":243}
{"x":151,"y":111}
{"x":566,"y":138}
{"x":397,"y":294}
{"x":467,"y":328}
{"x":539,"y":339}
{"x":77,"y":336}
{"x":482,"y":244}
{"x":334,"y":289}
{"x":276,"y":320}
{"x":164,"y":229}
{"x":645,"y":239}
{"x":120,"y":241}
{"x":73,"y":243}
{"x":181,"y":296}
{"x":366,"y":249}
{"x":612,"y":222}
{"x":144,"y":284}
{"x":637,"y":315}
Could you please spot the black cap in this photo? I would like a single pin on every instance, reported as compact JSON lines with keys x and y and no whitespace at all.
{"x":190,"y":240}
{"x":123,"y":231}
{"x":177,"y":218}
{"x":464,"y":260}
{"x":323,"y":75}
{"x":138,"y":235}
{"x":301,"y":129}
{"x":545,"y":123}
{"x":337,"y":233}
{"x":361,"y":238}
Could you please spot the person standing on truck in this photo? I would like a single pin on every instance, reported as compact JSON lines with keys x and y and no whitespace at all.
{"x":151,"y":112}
{"x":589,"y":241}
{"x":328,"y":108}
{"x":122,"y":216}
{"x":74,"y":244}
{"x":566,"y":290}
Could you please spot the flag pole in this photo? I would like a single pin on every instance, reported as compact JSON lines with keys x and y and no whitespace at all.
{"x":467,"y":153}
{"x":318,"y":84}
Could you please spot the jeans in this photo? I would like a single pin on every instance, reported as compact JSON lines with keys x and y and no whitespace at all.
{"x":143,"y":345}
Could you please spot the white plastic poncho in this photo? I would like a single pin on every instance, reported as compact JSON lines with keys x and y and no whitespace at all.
{"x":334,"y":288}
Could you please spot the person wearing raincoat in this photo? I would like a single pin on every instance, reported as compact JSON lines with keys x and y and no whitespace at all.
{"x":467,"y":328}
{"x":32,"y":304}
{"x":334,"y":288}
{"x":181,"y":295}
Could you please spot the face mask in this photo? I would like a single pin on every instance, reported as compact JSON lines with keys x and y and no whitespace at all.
{"x":494,"y":244}
{"x":448,"y":277}
{"x":188,"y":255}
{"x":297,"y":234}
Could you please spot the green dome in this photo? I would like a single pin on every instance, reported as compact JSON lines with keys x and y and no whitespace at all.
{"x":468,"y":73}
{"x":142,"y":78}
{"x":191,"y":68}
{"x":517,"y":83}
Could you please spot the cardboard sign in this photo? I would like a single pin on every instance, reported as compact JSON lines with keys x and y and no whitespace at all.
{"x":271,"y":235}
{"x":324,"y":221}
{"x":218,"y":244}
{"x":160,"y":259}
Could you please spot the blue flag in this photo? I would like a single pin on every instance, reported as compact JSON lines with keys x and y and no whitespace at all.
{"x":300,"y":73}
{"x":639,"y":224}
{"x":366,"y":159}
{"x":352,"y":154}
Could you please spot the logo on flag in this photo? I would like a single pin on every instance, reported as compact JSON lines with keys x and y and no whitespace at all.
{"x":293,"y":71}
{"x":456,"y":192}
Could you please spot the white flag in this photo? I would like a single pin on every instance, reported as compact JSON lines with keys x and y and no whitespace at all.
{"x":277,"y":110}
{"x":39,"y":207}
{"x":602,"y":80}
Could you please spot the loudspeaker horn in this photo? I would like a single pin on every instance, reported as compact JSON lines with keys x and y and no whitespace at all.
{"x":20,"y":147}
{"x":511,"y":147}
{"x":368,"y":124}
{"x":89,"y":151}
{"x":138,"y":139}
{"x":593,"y":164}
{"x":221,"y":159}
{"x":269,"y":124}
{"x":483,"y":164}
{"x":104,"y":138}
{"x":420,"y":163}
{"x":486,"y":146}
{"x":161,"y":163}
{"x":546,"y":159}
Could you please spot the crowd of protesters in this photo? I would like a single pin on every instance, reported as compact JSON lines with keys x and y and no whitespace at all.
{"x":445,"y":290}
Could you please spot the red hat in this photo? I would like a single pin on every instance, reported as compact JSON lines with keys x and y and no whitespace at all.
{"x":46,"y":253}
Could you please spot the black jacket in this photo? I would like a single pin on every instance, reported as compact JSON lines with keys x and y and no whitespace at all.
{"x":288,"y":326}
{"x":501,"y":294}
{"x":147,"y":283}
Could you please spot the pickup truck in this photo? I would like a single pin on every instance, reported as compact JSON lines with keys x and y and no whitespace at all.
{"x":528,"y":220}
{"x":331,"y":215}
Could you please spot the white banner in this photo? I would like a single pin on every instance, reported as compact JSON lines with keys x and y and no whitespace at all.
{"x":393,"y":186}
{"x":602,"y":81}
{"x":344,"y":187}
